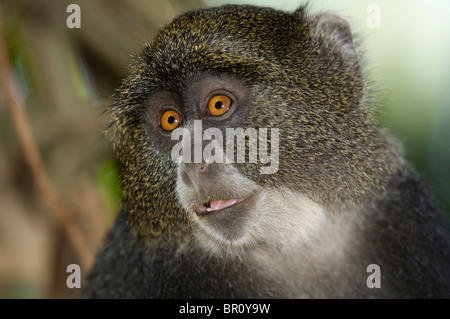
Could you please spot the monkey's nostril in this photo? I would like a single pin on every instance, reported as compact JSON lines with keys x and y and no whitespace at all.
{"x":204,"y":168}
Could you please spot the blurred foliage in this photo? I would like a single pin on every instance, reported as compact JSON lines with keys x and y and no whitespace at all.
{"x":107,"y":175}
{"x":65,"y":78}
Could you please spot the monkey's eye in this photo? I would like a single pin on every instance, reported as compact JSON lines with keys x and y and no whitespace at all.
{"x":219,"y":104}
{"x":170,"y":120}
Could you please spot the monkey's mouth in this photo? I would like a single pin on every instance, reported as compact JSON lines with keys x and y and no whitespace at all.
{"x":217,"y":205}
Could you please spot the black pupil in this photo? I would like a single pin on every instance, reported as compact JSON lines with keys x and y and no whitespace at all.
{"x":171,"y":119}
{"x":218,"y":105}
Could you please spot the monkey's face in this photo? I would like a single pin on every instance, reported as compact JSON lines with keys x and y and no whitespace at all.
{"x":246,"y":123}
{"x":212,"y":131}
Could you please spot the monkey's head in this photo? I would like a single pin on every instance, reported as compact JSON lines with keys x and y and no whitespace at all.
{"x":247,"y":127}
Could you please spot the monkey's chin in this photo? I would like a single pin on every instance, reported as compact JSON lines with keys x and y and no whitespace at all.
{"x":228,"y":226}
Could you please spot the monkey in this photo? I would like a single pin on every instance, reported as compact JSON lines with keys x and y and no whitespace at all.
{"x":340,"y":199}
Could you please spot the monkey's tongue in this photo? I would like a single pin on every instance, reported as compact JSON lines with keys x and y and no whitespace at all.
{"x":224,"y":203}
{"x":216,"y":205}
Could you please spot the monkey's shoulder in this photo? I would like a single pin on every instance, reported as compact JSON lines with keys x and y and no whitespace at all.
{"x":408,"y":236}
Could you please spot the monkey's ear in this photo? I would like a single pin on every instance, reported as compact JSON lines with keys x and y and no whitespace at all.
{"x":334,"y":32}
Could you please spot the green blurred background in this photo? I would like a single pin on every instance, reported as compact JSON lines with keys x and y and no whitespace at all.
{"x":65,"y":77}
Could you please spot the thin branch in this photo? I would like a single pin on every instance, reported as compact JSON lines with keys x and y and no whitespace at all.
{"x":33,"y":158}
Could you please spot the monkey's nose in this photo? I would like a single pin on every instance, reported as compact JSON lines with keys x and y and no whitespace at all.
{"x":204,"y":168}
{"x":203,"y":174}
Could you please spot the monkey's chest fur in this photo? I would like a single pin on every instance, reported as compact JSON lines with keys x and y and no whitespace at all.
{"x":127,"y":269}
{"x":169,"y":272}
